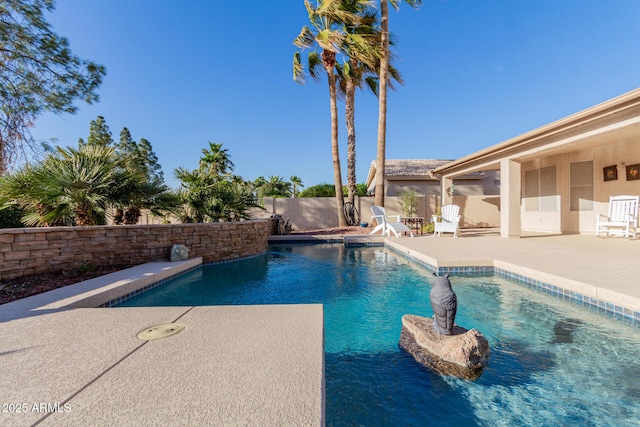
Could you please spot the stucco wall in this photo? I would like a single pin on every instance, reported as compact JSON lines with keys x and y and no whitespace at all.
{"x":26,"y":251}
{"x":321,"y":212}
{"x":562,"y":219}
{"x":488,"y":185}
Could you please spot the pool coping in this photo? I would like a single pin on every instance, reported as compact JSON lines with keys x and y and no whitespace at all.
{"x":85,"y":363}
{"x":114,"y":288}
{"x":99,"y":291}
{"x":591,"y":296}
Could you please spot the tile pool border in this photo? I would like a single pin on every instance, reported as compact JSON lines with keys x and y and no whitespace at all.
{"x":123,"y":298}
{"x":599,"y":305}
{"x":115,"y":301}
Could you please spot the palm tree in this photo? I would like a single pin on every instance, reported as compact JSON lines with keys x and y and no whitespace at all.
{"x":194,"y":193}
{"x":352,"y":75}
{"x":70,"y":187}
{"x":296,"y":182}
{"x":277,"y":186}
{"x":382,"y":98}
{"x":140,"y":193}
{"x":211,"y":193}
{"x":327,"y":19}
{"x":216,"y":160}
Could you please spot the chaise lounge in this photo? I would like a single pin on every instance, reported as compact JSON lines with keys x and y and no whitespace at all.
{"x":387,"y":227}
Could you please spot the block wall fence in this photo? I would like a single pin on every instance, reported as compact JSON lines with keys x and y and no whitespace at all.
{"x":26,"y":251}
{"x":321,"y":212}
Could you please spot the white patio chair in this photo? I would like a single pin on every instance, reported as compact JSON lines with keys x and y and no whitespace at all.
{"x":382,"y":219}
{"x":622,"y":219}
{"x":449,"y":221}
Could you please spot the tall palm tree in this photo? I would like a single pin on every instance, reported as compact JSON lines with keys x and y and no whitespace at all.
{"x":328,"y":35}
{"x":382,"y":97}
{"x":352,"y":75}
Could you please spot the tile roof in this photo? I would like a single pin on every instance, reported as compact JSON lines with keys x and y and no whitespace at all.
{"x":411,"y":167}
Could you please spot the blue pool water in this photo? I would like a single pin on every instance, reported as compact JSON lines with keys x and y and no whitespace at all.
{"x":552,"y":362}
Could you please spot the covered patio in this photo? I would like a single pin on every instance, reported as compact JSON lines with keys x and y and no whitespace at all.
{"x":552,"y":179}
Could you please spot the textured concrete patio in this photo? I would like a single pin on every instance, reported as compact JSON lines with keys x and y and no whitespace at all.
{"x":66,"y":364}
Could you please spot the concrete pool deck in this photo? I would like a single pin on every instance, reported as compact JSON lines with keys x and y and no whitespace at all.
{"x":604,"y":268}
{"x":66,"y":363}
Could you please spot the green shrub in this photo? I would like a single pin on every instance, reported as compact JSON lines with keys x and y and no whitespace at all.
{"x":329,"y":190}
{"x":10,"y":217}
{"x":320,"y":190}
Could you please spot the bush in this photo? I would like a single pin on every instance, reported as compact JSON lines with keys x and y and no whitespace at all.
{"x":10,"y":217}
{"x":321,"y":190}
{"x":329,"y":190}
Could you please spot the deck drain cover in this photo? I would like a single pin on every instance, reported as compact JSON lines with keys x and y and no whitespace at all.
{"x":160,"y":331}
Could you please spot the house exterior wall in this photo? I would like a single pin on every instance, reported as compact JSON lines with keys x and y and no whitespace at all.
{"x":557,"y":215}
{"x":489,"y":185}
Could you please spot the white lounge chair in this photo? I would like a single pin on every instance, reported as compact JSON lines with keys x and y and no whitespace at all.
{"x":622,"y":219}
{"x":449,"y":221}
{"x":382,"y":219}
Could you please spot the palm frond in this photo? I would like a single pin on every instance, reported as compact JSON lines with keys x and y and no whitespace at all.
{"x":372,"y":83}
{"x":305,"y":39}
{"x":314,"y":62}
{"x":298,"y":70}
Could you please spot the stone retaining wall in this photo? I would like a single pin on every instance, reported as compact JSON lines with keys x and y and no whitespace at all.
{"x":26,"y":251}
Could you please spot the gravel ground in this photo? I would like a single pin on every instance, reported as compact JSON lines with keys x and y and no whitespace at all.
{"x":22,"y":287}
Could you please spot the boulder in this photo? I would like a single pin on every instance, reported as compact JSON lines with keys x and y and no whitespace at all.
{"x":462,"y":354}
{"x":179,"y":253}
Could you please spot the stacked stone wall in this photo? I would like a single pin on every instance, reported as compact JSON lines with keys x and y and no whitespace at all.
{"x":27,"y":251}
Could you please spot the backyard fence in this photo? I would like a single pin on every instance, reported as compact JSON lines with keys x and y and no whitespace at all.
{"x":322,"y":212}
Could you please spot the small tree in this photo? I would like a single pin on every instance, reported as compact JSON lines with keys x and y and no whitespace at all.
{"x":409,"y":202}
{"x":69,"y":187}
{"x":320,"y":190}
{"x":99,"y":134}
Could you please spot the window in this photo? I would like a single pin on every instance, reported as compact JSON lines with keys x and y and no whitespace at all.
{"x":540,"y":190}
{"x":581,"y":186}
{"x":548,"y":193}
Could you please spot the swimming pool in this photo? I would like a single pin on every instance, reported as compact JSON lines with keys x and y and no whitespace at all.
{"x":552,"y":362}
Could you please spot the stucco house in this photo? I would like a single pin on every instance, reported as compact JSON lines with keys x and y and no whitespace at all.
{"x":557,"y":178}
{"x":401,"y":175}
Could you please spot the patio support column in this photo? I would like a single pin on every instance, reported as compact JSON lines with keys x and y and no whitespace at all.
{"x":446,"y":182}
{"x":510,"y":190}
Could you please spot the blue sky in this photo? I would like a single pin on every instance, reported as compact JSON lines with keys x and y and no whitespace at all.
{"x":476,"y":73}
